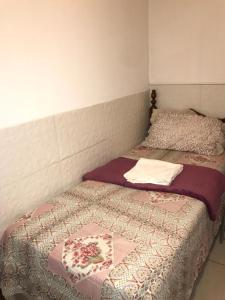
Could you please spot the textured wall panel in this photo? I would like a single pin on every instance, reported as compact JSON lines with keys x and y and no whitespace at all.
{"x":81,"y":129}
{"x":177,"y":96}
{"x":27,"y":148}
{"x":106,"y":131}
{"x":74,"y":167}
{"x":42,"y":158}
{"x":209,"y":99}
{"x":213,"y":100}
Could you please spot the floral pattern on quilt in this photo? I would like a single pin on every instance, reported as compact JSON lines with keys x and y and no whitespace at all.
{"x":85,"y":256}
{"x":160,"y":242}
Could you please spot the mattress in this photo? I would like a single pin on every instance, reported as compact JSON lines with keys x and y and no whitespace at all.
{"x":104,"y":241}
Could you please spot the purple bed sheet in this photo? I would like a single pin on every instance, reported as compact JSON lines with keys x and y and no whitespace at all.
{"x":202,"y":183}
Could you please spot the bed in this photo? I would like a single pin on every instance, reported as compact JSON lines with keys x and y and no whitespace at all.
{"x":105,"y":241}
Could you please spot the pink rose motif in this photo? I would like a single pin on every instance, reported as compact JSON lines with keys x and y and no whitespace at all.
{"x":107,"y":263}
{"x":68,"y":243}
{"x":84,"y":256}
{"x":85,"y":261}
{"x":90,"y":250}
{"x":77,"y":245}
{"x":107,"y":236}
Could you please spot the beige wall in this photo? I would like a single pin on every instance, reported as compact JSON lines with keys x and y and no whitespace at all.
{"x":187,"y":41}
{"x":60,"y":55}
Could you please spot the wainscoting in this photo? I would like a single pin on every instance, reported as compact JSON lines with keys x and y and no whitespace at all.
{"x":207,"y":98}
{"x":45,"y":157}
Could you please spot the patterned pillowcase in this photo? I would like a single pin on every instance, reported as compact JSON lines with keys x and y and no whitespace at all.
{"x":158,"y":112}
{"x":223,"y":128}
{"x":186,"y":132}
{"x":223,"y":124}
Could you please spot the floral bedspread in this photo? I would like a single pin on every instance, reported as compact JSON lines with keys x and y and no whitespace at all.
{"x":103,"y":241}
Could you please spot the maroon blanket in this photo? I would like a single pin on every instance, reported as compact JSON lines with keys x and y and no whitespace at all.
{"x":204,"y":184}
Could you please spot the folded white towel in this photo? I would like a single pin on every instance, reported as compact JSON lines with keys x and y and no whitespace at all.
{"x":153,"y":171}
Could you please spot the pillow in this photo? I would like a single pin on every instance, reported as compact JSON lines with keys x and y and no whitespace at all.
{"x":186,"y":132}
{"x":223,"y":128}
{"x":157,"y":112}
{"x":222,"y":120}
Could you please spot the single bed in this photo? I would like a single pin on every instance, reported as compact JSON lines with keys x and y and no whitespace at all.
{"x":153,"y":244}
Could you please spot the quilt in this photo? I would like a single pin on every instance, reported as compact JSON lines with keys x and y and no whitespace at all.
{"x":105,"y":241}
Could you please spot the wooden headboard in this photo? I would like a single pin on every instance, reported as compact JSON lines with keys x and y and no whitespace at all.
{"x":153,"y":103}
{"x":154,"y":106}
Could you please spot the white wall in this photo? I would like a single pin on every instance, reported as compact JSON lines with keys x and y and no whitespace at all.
{"x":59,"y":55}
{"x":187,"y":41}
